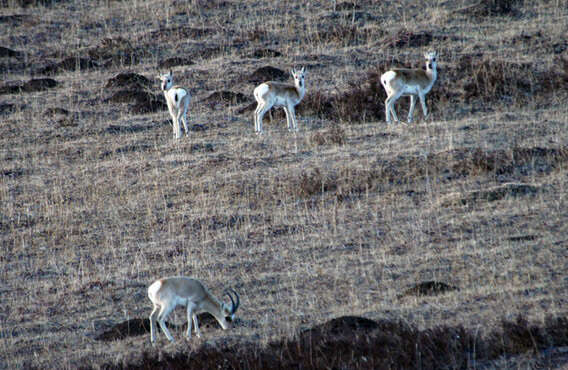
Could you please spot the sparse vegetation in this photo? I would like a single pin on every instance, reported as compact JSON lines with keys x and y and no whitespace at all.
{"x":352,"y":244}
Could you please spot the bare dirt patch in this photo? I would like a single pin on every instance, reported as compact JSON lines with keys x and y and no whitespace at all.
{"x":405,"y":38}
{"x":486,"y":8}
{"x":129,"y":80}
{"x":33,"y":85}
{"x":429,"y":288}
{"x":225,"y":98}
{"x":174,"y":62}
{"x":69,"y":64}
{"x":9,"y":53}
{"x":267,"y":73}
{"x":264,"y":53}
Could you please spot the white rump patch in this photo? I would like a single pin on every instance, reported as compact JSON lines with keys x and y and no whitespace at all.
{"x":153,"y":289}
{"x":387,"y":77}
{"x":260,"y":91}
{"x":176,"y":95}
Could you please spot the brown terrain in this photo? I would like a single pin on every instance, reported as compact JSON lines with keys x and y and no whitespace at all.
{"x":352,"y":243}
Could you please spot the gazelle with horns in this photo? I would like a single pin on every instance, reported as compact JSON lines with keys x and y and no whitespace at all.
{"x":409,"y":82}
{"x":177,"y":98}
{"x":170,"y":292}
{"x":269,"y":94}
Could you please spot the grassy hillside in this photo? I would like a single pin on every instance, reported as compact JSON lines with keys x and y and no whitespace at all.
{"x":350,"y":216}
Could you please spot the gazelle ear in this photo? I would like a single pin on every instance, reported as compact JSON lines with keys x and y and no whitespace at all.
{"x":303,"y":70}
{"x":293,"y":72}
{"x":171,"y":72}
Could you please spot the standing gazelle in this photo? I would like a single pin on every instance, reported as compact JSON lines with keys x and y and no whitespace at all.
{"x":178,"y":100}
{"x":409,"y":82}
{"x":269,"y":94}
{"x":170,"y":292}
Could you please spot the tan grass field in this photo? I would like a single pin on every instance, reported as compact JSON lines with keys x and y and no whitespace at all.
{"x":97,"y":200}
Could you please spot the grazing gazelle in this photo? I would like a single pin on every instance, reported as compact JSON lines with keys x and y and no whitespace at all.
{"x":269,"y":94}
{"x":178,"y":100}
{"x":410,"y":82}
{"x":170,"y":292}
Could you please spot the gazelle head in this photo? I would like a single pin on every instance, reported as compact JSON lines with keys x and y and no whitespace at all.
{"x":167,"y":80}
{"x":298,"y":77}
{"x":229,"y":311}
{"x":431,"y":59}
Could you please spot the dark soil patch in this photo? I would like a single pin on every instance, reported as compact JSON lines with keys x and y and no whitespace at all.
{"x":523,"y":238}
{"x":28,"y":3}
{"x":131,"y":96}
{"x":405,"y":38}
{"x":264,"y":53}
{"x":15,"y":20}
{"x":484,"y":8}
{"x":129,"y":80}
{"x":207,"y":52}
{"x":174,"y":62}
{"x":33,"y":85}
{"x":346,"y":5}
{"x":139,"y":326}
{"x":152,"y":106}
{"x":10,"y":89}
{"x":69,"y":64}
{"x":226,"y":97}
{"x":39,"y":84}
{"x":267,"y":73}
{"x":429,"y":288}
{"x":360,"y":102}
{"x":357,"y":343}
{"x":9,"y":53}
{"x":143,"y":102}
{"x":116,"y":51}
{"x":248,"y":108}
{"x":13,"y":173}
{"x":178,"y":33}
{"x":7,"y":108}
{"x":56,"y":111}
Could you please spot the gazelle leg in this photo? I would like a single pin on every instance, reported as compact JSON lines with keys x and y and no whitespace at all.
{"x":190,"y":315}
{"x":423,"y":103}
{"x":411,"y":109}
{"x":196,"y":325}
{"x":153,"y":317}
{"x":164,"y":312}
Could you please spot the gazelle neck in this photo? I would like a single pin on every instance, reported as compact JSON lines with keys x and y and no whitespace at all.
{"x":300,"y":88}
{"x":431,"y":72}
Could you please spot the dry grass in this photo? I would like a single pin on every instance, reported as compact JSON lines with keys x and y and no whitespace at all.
{"x":344,"y":218}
